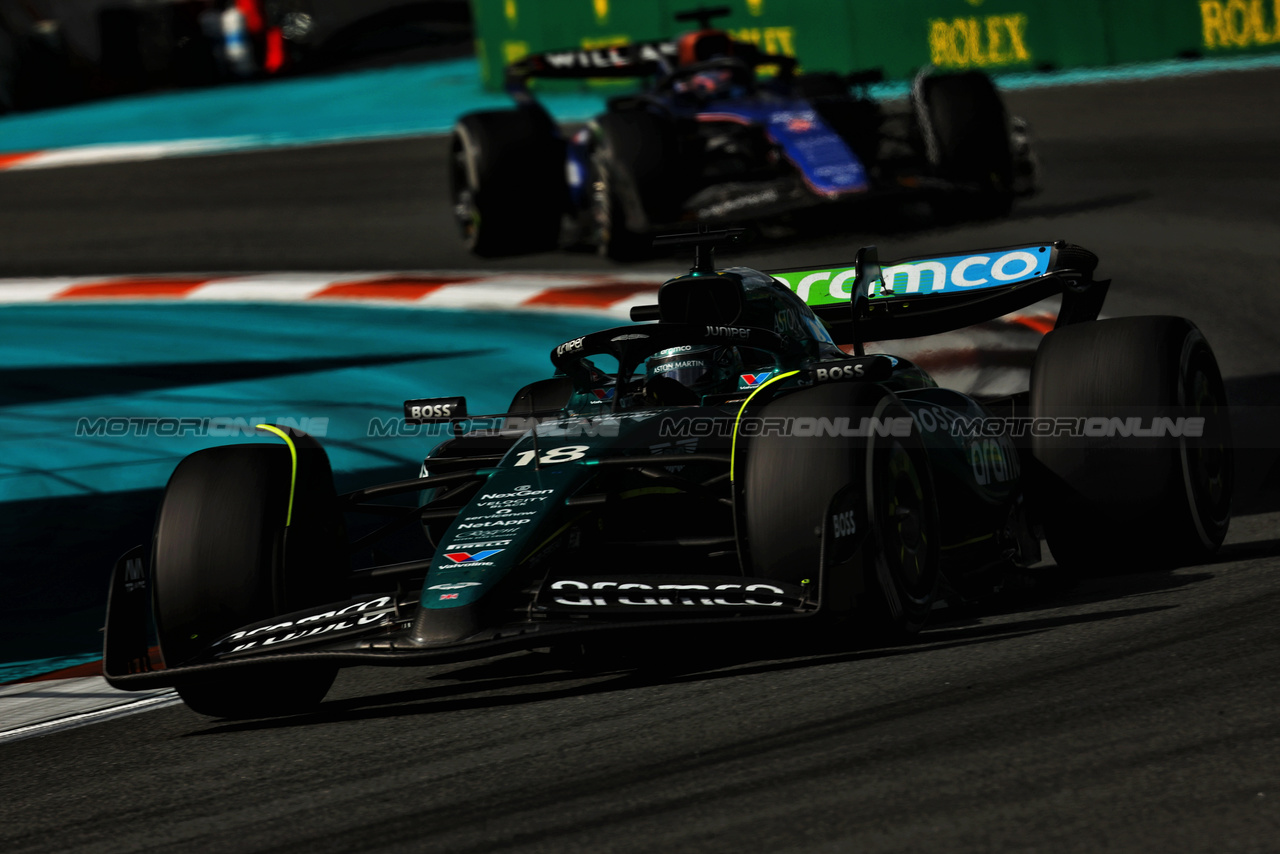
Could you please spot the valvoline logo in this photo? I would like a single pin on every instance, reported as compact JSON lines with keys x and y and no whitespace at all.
{"x":603,"y":393}
{"x":754,"y":380}
{"x":471,"y":557}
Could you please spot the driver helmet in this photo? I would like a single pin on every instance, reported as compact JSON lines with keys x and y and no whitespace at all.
{"x":699,"y":368}
{"x":701,"y":45}
{"x":707,"y":84}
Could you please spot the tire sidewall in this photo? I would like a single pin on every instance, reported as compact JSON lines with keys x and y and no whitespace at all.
{"x":793,"y":489}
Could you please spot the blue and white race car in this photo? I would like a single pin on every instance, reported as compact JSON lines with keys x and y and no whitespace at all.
{"x":710,"y":141}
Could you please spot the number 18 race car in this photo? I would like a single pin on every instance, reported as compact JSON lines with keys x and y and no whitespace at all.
{"x":733,"y":458}
{"x":707,"y":140}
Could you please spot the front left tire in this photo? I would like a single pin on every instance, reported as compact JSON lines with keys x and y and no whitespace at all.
{"x":226,"y":554}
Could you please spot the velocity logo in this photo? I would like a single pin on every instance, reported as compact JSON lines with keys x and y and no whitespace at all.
{"x":754,"y":380}
{"x":471,"y":557}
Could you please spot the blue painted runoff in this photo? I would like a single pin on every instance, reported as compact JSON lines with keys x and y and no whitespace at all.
{"x":15,"y":671}
{"x":47,"y":446}
{"x":399,"y":101}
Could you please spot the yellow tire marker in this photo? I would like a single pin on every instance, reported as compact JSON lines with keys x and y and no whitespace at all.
{"x":733,"y":447}
{"x":293,"y":475}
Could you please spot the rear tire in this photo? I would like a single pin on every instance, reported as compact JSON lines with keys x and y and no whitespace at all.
{"x":856,"y":121}
{"x":794,"y":487}
{"x":507,"y":182}
{"x":634,"y":188}
{"x":222,"y":558}
{"x":966,"y":130}
{"x":1111,"y":504}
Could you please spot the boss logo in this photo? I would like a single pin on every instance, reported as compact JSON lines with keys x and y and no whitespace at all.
{"x":844,"y":524}
{"x":426,"y":410}
{"x":569,"y":347}
{"x":728,"y":332}
{"x":847,"y":371}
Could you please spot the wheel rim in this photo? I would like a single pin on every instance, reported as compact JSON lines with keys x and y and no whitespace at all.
{"x":905,"y":540}
{"x":465,"y":210}
{"x":601,"y":208}
{"x":1208,"y":458}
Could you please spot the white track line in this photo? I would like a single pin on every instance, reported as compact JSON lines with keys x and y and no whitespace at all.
{"x":29,"y":709}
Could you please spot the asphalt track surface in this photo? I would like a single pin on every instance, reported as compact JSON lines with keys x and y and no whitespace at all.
{"x":1134,"y":713}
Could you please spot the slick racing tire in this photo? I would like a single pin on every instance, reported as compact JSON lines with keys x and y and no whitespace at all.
{"x":223,"y":557}
{"x":966,"y":132}
{"x":857,"y":121}
{"x":635,"y":180}
{"x":862,"y":504}
{"x":1109,"y":501}
{"x":507,"y":182}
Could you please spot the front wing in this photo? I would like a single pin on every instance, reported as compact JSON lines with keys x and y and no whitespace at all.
{"x":380,"y":630}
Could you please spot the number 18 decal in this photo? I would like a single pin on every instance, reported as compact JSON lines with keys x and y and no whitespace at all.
{"x":567,"y":454}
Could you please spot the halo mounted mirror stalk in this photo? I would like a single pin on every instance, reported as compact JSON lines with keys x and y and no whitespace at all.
{"x":867,"y":263}
{"x":704,"y":243}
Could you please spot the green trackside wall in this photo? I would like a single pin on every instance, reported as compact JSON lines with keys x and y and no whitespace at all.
{"x":899,"y":35}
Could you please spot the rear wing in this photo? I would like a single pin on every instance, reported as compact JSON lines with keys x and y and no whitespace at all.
{"x":914,"y":297}
{"x":638,"y":59}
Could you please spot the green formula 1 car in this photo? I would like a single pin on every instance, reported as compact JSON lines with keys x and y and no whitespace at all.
{"x":734,"y":457}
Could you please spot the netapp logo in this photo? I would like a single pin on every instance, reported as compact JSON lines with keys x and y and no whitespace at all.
{"x":495,"y":523}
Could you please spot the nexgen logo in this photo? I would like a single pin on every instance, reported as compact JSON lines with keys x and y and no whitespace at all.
{"x":950,"y":274}
{"x":471,"y":557}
